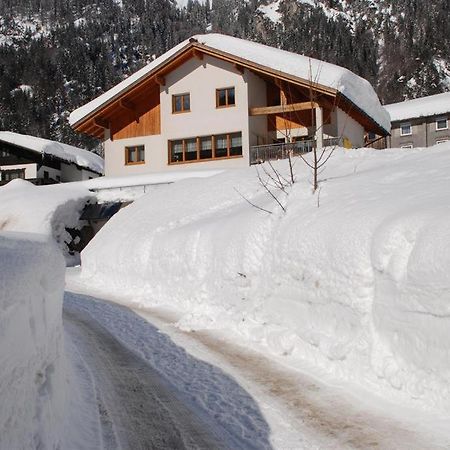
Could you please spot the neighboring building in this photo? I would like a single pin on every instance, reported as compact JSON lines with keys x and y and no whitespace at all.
{"x":223,"y":102}
{"x":422,"y":122}
{"x":45,"y":162}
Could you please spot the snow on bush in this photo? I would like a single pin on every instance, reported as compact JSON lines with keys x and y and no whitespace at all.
{"x":359,"y":286}
{"x":31,"y":342}
{"x":47,"y":210}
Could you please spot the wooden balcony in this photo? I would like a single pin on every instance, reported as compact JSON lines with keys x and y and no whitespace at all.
{"x":273,"y":152}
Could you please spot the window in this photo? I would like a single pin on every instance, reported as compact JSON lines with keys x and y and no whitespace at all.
{"x":134,"y":155}
{"x":225,"y":97}
{"x":236,"y":144}
{"x":205,"y":148}
{"x":407,"y":146}
{"x":441,"y":124}
{"x":371,"y":135}
{"x":46,"y":175}
{"x":405,"y":129}
{"x":8,"y":175}
{"x":181,"y":103}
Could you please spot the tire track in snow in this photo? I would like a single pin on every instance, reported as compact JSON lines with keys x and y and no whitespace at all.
{"x":143,"y":412}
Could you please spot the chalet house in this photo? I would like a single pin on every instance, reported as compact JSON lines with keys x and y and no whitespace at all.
{"x":44,"y":162}
{"x":221,"y":102}
{"x":422,"y":122}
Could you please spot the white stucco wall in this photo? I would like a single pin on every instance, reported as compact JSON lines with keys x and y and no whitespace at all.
{"x":350,"y":129}
{"x":70,"y":172}
{"x":52,"y":173}
{"x":200,"y":78}
{"x":30,"y":169}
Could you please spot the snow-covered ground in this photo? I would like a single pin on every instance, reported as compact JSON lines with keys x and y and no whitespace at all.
{"x":353,"y":280}
{"x":45,"y":210}
{"x":32,"y":368}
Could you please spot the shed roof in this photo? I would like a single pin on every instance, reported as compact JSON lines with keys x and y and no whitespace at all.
{"x":68,"y":153}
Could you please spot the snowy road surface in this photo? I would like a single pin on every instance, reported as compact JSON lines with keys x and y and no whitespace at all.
{"x":168,"y":401}
{"x":149,"y":393}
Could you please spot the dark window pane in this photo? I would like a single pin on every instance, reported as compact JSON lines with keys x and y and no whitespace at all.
{"x":141,"y":157}
{"x":231,"y":97}
{"x":236,"y":144}
{"x":221,"y":146}
{"x":222,"y":97}
{"x":178,"y":105}
{"x":186,"y":102}
{"x":191,"y":149}
{"x":176,"y":151}
{"x":206,"y":147}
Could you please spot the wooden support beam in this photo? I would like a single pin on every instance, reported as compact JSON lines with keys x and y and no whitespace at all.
{"x":160,"y":80}
{"x":239,"y":68}
{"x":197,"y":54}
{"x":102,"y":123}
{"x":280,"y":109}
{"x":129,"y":106}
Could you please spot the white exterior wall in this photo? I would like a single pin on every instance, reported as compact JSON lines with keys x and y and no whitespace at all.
{"x":350,"y":129}
{"x":70,"y":172}
{"x":52,"y":173}
{"x":200,"y":78}
{"x":30,"y":169}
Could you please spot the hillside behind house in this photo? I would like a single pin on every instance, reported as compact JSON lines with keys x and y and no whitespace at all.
{"x":56,"y":55}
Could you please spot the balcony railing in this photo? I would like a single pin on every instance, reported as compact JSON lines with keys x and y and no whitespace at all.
{"x":271,"y":152}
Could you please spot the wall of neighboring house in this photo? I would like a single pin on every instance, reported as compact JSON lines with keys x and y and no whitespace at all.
{"x":30,"y":169}
{"x":424,"y":132}
{"x":71,"y":172}
{"x":54,"y":174}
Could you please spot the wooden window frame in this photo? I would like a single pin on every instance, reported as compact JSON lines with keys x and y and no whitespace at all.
{"x":127,"y":157}
{"x":182,"y":111}
{"x":227,"y":104}
{"x":198,"y":145}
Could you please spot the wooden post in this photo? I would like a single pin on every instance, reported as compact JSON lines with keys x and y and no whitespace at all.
{"x":319,"y":128}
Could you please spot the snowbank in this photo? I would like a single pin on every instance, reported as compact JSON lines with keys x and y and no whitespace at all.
{"x":69,"y":153}
{"x":46,"y":210}
{"x":31,"y":345}
{"x":359,"y":286}
{"x":420,"y":107}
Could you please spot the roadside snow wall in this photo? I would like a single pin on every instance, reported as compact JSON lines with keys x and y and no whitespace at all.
{"x":46,"y":210}
{"x":31,"y":342}
{"x":359,"y":286}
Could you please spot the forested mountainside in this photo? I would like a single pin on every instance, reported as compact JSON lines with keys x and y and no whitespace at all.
{"x":56,"y":55}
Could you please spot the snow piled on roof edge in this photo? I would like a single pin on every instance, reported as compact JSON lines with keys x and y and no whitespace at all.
{"x":353,"y":87}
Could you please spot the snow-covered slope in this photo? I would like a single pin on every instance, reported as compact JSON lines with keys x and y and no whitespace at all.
{"x":69,"y":153}
{"x":32,"y":391}
{"x":358,"y":286}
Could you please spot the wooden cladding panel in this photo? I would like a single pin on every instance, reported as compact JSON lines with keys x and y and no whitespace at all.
{"x":144,"y":121}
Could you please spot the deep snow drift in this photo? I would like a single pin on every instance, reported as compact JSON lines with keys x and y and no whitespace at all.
{"x":46,"y":210}
{"x":31,"y":345}
{"x":359,"y":286}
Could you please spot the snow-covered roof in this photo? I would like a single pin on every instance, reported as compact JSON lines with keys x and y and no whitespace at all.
{"x":353,"y":87}
{"x":432,"y":105}
{"x":75,"y":155}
